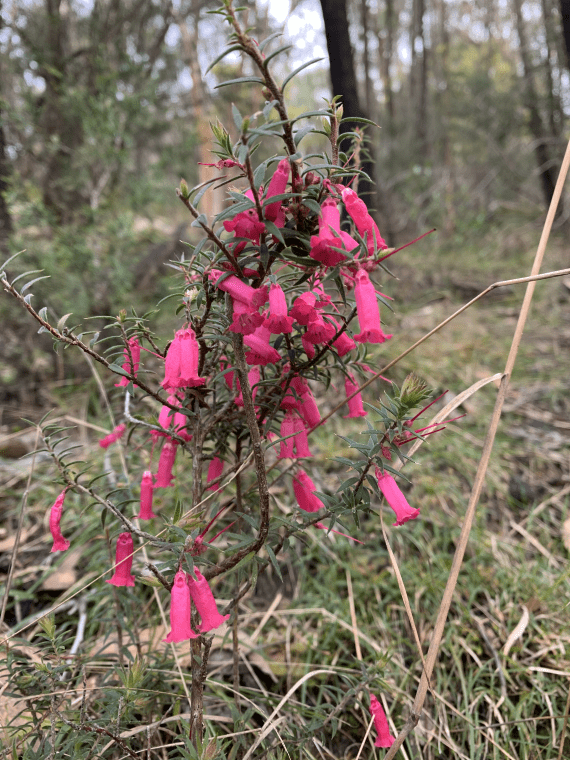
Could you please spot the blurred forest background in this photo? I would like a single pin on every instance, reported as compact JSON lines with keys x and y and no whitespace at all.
{"x":105,"y":106}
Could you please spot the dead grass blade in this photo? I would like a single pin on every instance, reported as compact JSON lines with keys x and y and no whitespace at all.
{"x":482,"y":468}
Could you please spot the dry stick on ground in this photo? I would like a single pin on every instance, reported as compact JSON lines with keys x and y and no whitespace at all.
{"x":481,"y":471}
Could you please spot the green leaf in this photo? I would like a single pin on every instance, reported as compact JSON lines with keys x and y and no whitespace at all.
{"x":118,"y":370}
{"x":239,"y":80}
{"x":274,"y":562}
{"x":313,"y":205}
{"x":222,"y":55}
{"x":238,"y":118}
{"x":37,"y":279}
{"x":264,"y":43}
{"x":360,"y":120}
{"x":298,"y":136}
{"x":297,"y":70}
{"x":275,"y":231}
{"x":272,"y":55}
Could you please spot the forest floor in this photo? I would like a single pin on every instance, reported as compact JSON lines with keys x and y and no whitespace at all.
{"x":338,"y":605}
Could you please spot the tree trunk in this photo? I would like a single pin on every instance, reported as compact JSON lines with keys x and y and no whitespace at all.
{"x":6,"y":227}
{"x":344,"y":83}
{"x":546,"y":170}
{"x":565,"y":14}
{"x":212,"y":201}
{"x":368,"y":87}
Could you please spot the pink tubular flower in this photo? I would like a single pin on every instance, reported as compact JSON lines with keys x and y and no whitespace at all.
{"x":215,"y":469}
{"x":384,"y":738}
{"x":113,"y":437}
{"x":278,"y":321}
{"x":364,"y":223}
{"x":180,"y":608}
{"x":181,"y":363}
{"x":246,"y":319}
{"x":320,"y":331}
{"x":261,"y":351}
{"x":147,"y":488}
{"x":344,"y":342}
{"x":324,"y":244}
{"x":239,"y":290}
{"x":355,"y":407}
{"x":297,"y":445}
{"x":168,"y":417}
{"x":246,"y":224}
{"x":60,"y":544}
{"x":203,"y":598}
{"x":277,"y":186}
{"x":123,"y":562}
{"x":165,"y":464}
{"x":395,"y":498}
{"x":135,"y":349}
{"x":253,"y":377}
{"x":308,"y":346}
{"x":308,"y":406}
{"x":304,"y":489}
{"x":303,"y":310}
{"x":368,"y":311}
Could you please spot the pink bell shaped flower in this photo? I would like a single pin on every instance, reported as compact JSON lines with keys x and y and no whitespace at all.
{"x":278,"y":321}
{"x":277,"y":186}
{"x":309,"y":347}
{"x":113,"y":437}
{"x":368,"y":311}
{"x":168,"y":417}
{"x":180,"y":608}
{"x":297,"y":445}
{"x":261,"y":351}
{"x":304,"y":489}
{"x":147,"y":489}
{"x":135,"y":349}
{"x":395,"y":498}
{"x":229,"y":376}
{"x":215,"y":469}
{"x":246,"y":224}
{"x":303,"y":310}
{"x":240,"y":290}
{"x":344,"y":342}
{"x":355,"y":407}
{"x":308,"y":406}
{"x":203,"y":598}
{"x":320,"y":331}
{"x":253,"y":377}
{"x":246,"y":319}
{"x":123,"y":562}
{"x":181,"y":363}
{"x":384,"y":738}
{"x":324,"y":245}
{"x":165,"y":464}
{"x":60,"y":544}
{"x":364,"y":223}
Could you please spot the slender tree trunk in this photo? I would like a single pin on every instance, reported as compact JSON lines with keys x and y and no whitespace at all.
{"x":344,"y":83}
{"x":370,"y":103}
{"x":212,"y":201}
{"x":565,"y":16}
{"x":555,"y":112}
{"x":546,"y":170}
{"x":421,"y":79}
{"x":6,"y":227}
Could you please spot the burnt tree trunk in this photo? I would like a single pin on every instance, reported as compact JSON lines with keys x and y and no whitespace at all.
{"x":344,"y":83}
